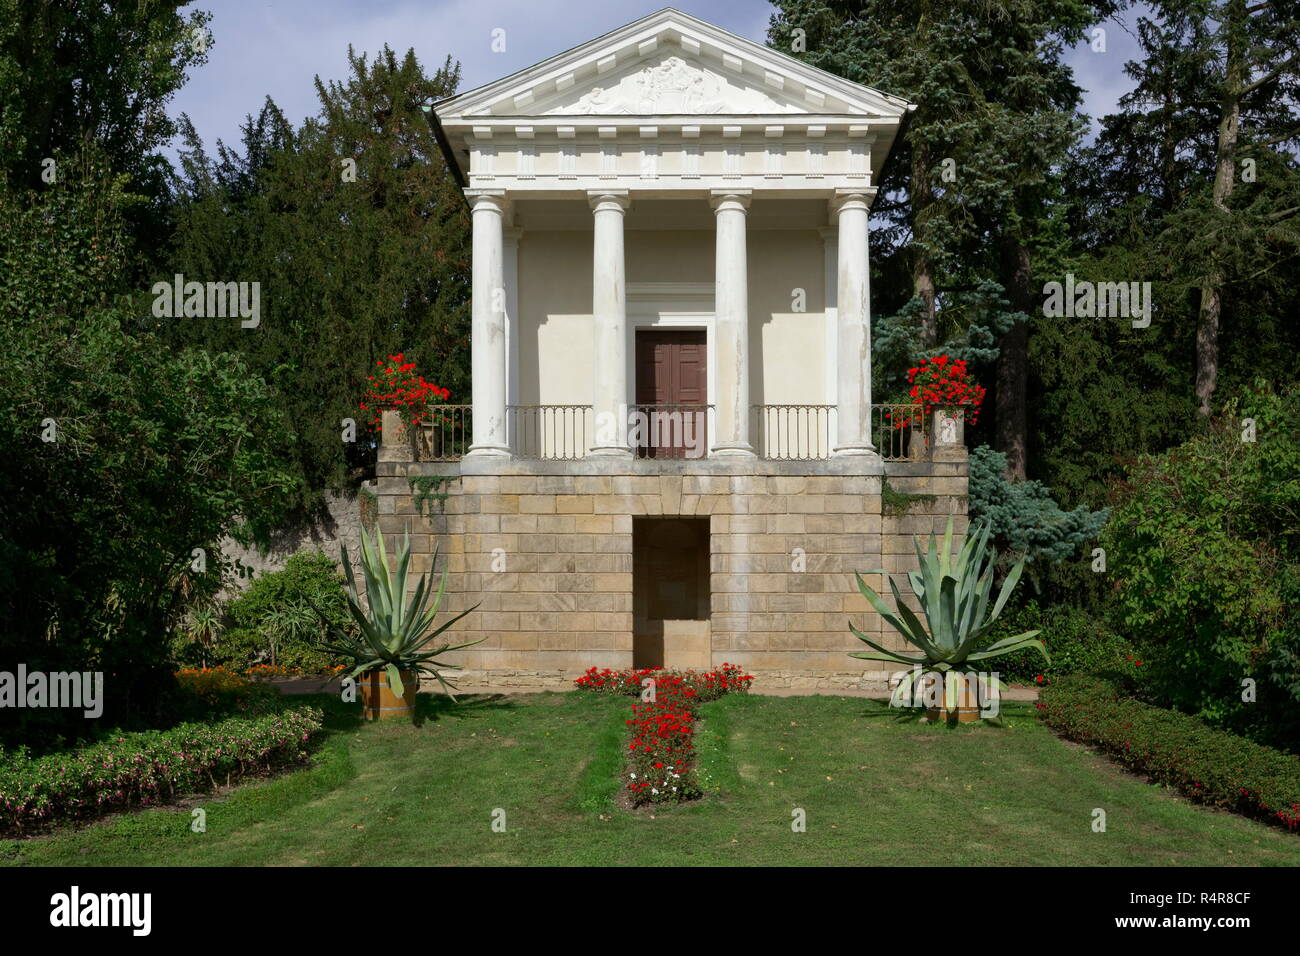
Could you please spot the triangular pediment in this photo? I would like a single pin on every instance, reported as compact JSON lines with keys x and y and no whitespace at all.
{"x":670,"y":63}
{"x":670,"y":82}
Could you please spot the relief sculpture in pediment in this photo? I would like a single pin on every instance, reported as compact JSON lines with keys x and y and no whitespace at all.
{"x":671,"y":87}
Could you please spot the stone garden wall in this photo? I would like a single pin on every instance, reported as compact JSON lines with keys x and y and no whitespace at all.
{"x":340,"y":524}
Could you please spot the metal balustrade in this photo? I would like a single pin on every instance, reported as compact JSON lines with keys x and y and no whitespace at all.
{"x":792,"y":432}
{"x":900,"y":432}
{"x":670,"y":431}
{"x":548,"y":432}
{"x":445,"y":434}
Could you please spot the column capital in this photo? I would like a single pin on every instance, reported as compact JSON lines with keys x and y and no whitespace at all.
{"x":852,"y":198}
{"x":486,"y":199}
{"x":733,"y":199}
{"x":608,"y":199}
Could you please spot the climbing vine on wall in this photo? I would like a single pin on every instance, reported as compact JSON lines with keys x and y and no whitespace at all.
{"x":427,"y":489}
{"x":895,"y":503}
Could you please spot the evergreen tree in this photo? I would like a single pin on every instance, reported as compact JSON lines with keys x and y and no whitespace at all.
{"x":1198,"y":169}
{"x":996,"y":112}
{"x":359,"y":237}
{"x":78,"y":74}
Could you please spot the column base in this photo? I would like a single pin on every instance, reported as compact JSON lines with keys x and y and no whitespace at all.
{"x":733,"y":450}
{"x":610,"y":451}
{"x":488,"y":451}
{"x":858,"y":451}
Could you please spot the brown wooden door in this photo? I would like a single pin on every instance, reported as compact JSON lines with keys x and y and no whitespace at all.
{"x":672,"y":370}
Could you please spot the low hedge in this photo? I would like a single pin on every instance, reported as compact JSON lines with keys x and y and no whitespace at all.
{"x":1208,"y":765}
{"x":147,"y":768}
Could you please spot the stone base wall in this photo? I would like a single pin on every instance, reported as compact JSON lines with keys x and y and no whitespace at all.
{"x":544,"y":551}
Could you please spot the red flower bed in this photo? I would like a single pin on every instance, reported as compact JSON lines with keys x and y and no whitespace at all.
{"x":660,"y":750}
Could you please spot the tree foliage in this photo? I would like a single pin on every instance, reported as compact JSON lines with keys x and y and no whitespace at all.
{"x":1204,"y":546}
{"x":360,"y":240}
{"x":124,"y":455}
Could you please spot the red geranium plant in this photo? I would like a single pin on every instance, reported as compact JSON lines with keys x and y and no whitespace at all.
{"x":942,"y":382}
{"x":397,"y":385}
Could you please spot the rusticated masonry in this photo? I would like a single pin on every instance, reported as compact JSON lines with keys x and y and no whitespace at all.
{"x":549,"y":552}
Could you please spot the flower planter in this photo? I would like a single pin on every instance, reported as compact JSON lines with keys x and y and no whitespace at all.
{"x":963,"y":704}
{"x":378,"y":702}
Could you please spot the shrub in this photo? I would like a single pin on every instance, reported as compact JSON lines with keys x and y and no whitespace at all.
{"x":1076,"y":641}
{"x":231,"y":651}
{"x":273,"y":621}
{"x":1025,"y":518}
{"x":1208,"y":765}
{"x":158,"y":451}
{"x":1204,"y":550}
{"x":217,"y":692}
{"x":147,"y":768}
{"x":660,"y":749}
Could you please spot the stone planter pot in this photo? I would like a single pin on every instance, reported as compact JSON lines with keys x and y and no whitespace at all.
{"x":948,"y":434}
{"x":917,"y":447}
{"x":378,"y":702}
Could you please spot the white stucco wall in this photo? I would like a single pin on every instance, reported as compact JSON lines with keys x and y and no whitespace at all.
{"x":787,"y":348}
{"x":555,"y":335}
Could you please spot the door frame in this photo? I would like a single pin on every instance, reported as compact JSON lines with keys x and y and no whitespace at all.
{"x":672,"y":306}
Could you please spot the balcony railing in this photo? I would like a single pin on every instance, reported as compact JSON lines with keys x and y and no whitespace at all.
{"x":548,"y":432}
{"x":792,"y":432}
{"x":778,"y":433}
{"x":445,"y":434}
{"x":900,"y":432}
{"x":670,"y":431}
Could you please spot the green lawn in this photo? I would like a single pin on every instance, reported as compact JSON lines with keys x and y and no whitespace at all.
{"x":876,"y":789}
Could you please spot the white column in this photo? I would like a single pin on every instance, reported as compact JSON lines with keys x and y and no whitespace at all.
{"x":609,"y":322}
{"x":853,"y":321}
{"x":489,"y":364}
{"x":731,"y":324}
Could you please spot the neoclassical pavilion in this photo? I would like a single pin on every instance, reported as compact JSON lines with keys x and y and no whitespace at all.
{"x":671,"y":455}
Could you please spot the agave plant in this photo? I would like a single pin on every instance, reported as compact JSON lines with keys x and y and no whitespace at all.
{"x":954,"y":596}
{"x":393,"y":632}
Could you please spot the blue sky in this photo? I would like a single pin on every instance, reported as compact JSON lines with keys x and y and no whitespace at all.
{"x":276,"y":48}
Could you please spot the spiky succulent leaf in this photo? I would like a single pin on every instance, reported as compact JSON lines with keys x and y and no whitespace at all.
{"x":395,"y":626}
{"x":954,"y":592}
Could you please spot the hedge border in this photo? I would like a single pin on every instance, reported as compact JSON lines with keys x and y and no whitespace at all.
{"x":148,"y":768}
{"x":1209,"y":766}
